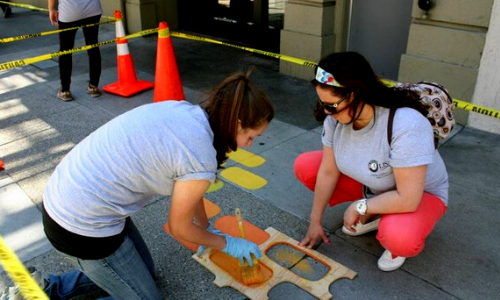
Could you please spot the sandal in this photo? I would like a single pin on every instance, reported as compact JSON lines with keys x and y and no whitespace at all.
{"x":362,"y":228}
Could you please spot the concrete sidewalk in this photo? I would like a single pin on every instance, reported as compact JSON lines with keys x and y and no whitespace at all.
{"x":461,"y":259}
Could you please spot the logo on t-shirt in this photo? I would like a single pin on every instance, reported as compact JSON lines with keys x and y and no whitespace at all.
{"x":374,"y":166}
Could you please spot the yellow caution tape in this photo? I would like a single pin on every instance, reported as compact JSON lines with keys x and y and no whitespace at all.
{"x":24,"y":6}
{"x":275,"y":55}
{"x":32,"y":35}
{"x":27,"y":6}
{"x":494,"y":113}
{"x":140,"y":33}
{"x":459,"y":103}
{"x":164,"y":33}
{"x":464,"y":105}
{"x":31,"y":60}
{"x":28,"y":287}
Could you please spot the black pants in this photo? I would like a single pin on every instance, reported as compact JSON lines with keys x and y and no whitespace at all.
{"x":67,"y":41}
{"x":4,"y":6}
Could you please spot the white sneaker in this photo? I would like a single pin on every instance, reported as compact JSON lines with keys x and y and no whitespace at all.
{"x":14,"y":293}
{"x":11,"y":293}
{"x":387,"y":263}
{"x":362,"y":228}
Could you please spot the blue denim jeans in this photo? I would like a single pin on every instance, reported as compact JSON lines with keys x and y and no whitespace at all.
{"x":126,"y":274}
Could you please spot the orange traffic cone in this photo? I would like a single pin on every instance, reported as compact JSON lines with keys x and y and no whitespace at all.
{"x":168,"y":84}
{"x":1,"y":165}
{"x":127,"y":84}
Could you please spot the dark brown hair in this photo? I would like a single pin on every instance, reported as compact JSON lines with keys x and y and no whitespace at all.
{"x":235,"y":99}
{"x":355,"y":73}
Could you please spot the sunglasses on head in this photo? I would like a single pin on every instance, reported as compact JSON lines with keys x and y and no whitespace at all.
{"x":333,"y":107}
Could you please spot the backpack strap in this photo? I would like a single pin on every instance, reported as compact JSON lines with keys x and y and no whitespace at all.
{"x":390,"y":120}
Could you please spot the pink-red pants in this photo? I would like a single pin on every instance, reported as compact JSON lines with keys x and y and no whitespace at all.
{"x":402,"y":234}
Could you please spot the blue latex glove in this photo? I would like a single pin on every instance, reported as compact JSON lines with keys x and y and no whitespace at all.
{"x":213,"y":230}
{"x":241,"y":249}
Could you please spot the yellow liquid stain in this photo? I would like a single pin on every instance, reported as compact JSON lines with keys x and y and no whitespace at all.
{"x":286,"y":256}
{"x":290,"y":257}
{"x":243,"y":178}
{"x":232,"y":266}
{"x":246,"y":158}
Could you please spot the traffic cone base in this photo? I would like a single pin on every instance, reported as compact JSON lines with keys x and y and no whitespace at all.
{"x":128,"y":90}
{"x":127,"y":84}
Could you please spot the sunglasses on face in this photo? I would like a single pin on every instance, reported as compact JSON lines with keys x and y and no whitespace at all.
{"x":333,"y":107}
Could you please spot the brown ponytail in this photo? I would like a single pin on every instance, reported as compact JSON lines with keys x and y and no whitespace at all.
{"x":235,"y":99}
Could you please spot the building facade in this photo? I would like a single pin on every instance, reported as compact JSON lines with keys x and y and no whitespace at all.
{"x":454,"y":42}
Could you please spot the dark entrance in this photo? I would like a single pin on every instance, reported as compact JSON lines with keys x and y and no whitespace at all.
{"x":379,"y":31}
{"x":255,"y":24}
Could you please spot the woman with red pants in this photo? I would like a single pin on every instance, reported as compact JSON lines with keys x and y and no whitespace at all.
{"x":399,"y":188}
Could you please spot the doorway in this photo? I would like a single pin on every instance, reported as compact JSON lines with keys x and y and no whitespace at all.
{"x":379,"y":31}
{"x":253,"y":23}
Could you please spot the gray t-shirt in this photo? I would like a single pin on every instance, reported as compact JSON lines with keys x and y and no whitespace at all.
{"x":365,"y":155}
{"x":74,"y":10}
{"x":117,"y":169}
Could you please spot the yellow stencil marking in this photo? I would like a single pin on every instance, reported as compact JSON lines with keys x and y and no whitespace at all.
{"x":246,"y":158}
{"x":217,"y":185}
{"x":243,"y":178}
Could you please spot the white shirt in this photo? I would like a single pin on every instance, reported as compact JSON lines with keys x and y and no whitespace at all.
{"x":120,"y":167}
{"x":74,"y":10}
{"x":366,"y":156}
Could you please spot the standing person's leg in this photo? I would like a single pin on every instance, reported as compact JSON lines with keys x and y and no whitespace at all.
{"x":306,"y":169}
{"x":66,"y":42}
{"x":91,"y":35}
{"x":7,"y":11}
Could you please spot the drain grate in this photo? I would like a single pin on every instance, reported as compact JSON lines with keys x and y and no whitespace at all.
{"x":45,"y":64}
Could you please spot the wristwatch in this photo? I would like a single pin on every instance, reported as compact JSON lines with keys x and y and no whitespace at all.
{"x":361,"y":206}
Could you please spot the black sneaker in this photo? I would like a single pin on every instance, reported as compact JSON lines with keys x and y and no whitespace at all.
{"x":7,"y":12}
